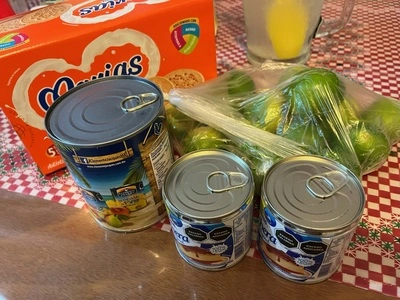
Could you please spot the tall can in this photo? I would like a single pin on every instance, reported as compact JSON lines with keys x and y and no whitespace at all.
{"x":310,"y":209}
{"x":112,"y":135}
{"x":209,"y":199}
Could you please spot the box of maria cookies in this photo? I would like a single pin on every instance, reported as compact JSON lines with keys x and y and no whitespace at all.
{"x":48,"y":51}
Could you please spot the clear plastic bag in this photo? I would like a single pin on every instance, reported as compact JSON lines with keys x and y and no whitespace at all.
{"x":278,"y":110}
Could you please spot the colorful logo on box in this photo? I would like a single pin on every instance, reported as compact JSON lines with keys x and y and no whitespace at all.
{"x":185,"y":35}
{"x":13,"y":40}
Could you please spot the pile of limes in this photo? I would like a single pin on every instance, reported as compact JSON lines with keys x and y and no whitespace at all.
{"x":311,"y":107}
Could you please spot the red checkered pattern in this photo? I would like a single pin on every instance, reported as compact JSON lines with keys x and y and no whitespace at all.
{"x":20,"y":174}
{"x":367,"y":51}
{"x":372,"y":260}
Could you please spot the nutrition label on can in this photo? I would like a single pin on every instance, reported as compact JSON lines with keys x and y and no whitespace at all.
{"x":334,"y":255}
{"x":161,"y":158}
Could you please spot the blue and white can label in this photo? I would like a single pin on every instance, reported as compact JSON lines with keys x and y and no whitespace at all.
{"x":213,"y":246}
{"x":112,"y":135}
{"x":298,"y":256}
{"x":310,"y":208}
{"x":209,"y":199}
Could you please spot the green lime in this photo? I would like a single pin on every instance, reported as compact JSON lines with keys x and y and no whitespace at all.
{"x":178,"y":123}
{"x":371,"y":145}
{"x":349,"y":111}
{"x":274,"y":112}
{"x":204,"y":137}
{"x":266,"y":110}
{"x":315,"y":95}
{"x":240,"y":83}
{"x":345,"y":155}
{"x":317,"y":89}
{"x":292,"y":71}
{"x":385,"y":113}
{"x":306,"y":134}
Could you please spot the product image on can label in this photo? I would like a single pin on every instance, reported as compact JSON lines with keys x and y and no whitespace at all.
{"x":310,"y":209}
{"x":132,"y":195}
{"x":112,"y":134}
{"x":212,"y":246}
{"x":209,"y":199}
{"x":296,"y":256}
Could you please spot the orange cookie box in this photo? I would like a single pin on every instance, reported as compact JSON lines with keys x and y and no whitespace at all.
{"x":46,"y":52}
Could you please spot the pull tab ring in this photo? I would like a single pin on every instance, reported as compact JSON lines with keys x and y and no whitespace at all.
{"x":135,"y":102}
{"x":234,"y":180}
{"x":333,"y":180}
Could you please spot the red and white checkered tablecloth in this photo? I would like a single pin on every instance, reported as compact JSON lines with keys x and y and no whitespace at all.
{"x":366,"y":50}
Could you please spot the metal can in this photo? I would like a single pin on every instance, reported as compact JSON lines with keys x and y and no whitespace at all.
{"x":310,"y":209}
{"x":112,"y":134}
{"x":209,"y":199}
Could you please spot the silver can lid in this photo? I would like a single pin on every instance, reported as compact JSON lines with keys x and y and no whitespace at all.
{"x":314,"y":194}
{"x":103,"y":111}
{"x":208,"y":185}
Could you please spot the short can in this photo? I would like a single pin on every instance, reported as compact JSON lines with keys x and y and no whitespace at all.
{"x":112,"y":134}
{"x":209,"y":199}
{"x":310,"y":209}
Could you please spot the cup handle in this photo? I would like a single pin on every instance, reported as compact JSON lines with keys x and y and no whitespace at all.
{"x":325,"y":28}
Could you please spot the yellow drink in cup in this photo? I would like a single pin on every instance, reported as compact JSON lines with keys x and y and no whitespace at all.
{"x":282,"y":30}
{"x":286,"y":25}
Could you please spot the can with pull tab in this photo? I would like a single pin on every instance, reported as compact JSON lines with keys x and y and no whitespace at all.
{"x":112,"y":134}
{"x":310,"y":209}
{"x":209,"y":199}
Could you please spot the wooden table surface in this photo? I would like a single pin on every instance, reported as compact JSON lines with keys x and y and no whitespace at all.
{"x":52,"y":251}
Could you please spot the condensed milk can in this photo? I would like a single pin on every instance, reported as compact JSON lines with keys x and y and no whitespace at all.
{"x":310,"y":209}
{"x":209,"y":199}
